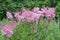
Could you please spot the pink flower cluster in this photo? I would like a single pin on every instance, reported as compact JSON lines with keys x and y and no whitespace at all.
{"x":9,"y":16}
{"x":49,"y":12}
{"x":28,"y":15}
{"x":32,"y":15}
{"x":7,"y":30}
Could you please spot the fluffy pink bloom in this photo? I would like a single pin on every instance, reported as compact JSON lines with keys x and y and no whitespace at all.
{"x":41,"y":13}
{"x":50,"y":13}
{"x":31,"y":16}
{"x":9,"y":15}
{"x":51,"y":10}
{"x":30,"y":19}
{"x":35,"y":16}
{"x":35,"y":9}
{"x":6,"y":30}
{"x":26,"y":12}
{"x":16,"y":14}
{"x":44,"y":9}
{"x":20,"y":18}
{"x":12,"y":24}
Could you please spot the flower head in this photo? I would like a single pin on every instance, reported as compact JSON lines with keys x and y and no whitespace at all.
{"x":16,"y":14}
{"x":9,"y":15}
{"x":12,"y":24}
{"x":35,"y":9}
{"x":6,"y":30}
{"x":50,"y":13}
{"x":20,"y":18}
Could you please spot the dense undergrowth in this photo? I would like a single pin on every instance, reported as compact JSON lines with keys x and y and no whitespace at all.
{"x":23,"y":31}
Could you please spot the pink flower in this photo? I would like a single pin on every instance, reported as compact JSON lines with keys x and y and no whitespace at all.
{"x":35,"y":16}
{"x":6,"y":30}
{"x":12,"y":24}
{"x":41,"y":13}
{"x":26,"y":12}
{"x":44,"y":9}
{"x":20,"y":18}
{"x":30,"y":19}
{"x":16,"y":14}
{"x":9,"y":15}
{"x":31,"y":16}
{"x":50,"y":13}
{"x":51,"y":10}
{"x":35,"y":9}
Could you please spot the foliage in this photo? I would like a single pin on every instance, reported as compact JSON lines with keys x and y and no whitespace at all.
{"x":23,"y":31}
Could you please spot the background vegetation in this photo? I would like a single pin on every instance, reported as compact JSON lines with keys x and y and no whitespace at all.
{"x":23,"y":31}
